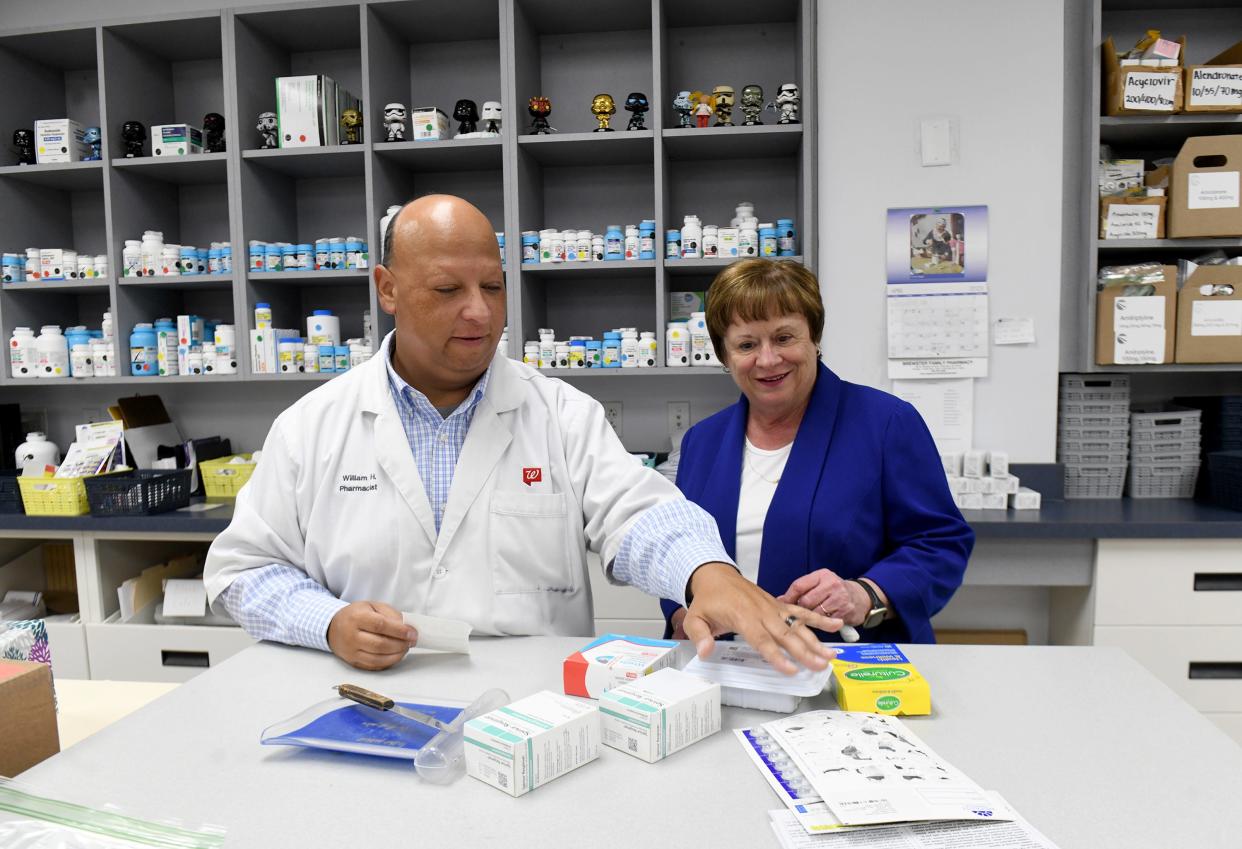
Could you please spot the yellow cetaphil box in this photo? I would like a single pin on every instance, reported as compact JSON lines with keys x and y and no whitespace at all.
{"x":524,"y":745}
{"x":878,"y":678}
{"x":660,"y":714}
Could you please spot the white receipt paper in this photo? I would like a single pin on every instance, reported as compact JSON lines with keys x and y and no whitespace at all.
{"x":1013,"y":331}
{"x":185,"y":597}
{"x":439,"y":634}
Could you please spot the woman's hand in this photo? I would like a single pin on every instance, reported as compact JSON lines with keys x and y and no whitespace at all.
{"x":679,"y":615}
{"x":825,"y":592}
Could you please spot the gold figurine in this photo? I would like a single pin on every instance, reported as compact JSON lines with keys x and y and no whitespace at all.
{"x":603,"y":108}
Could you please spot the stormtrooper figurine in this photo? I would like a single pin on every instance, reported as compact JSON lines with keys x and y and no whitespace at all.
{"x":394,"y":121}
{"x":752,"y":104}
{"x":787,"y":99}
{"x":684,"y":108}
{"x":723,"y":95}
{"x":490,"y":116}
{"x":267,"y":130}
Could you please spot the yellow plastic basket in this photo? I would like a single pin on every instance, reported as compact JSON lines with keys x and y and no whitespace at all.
{"x":222,"y":478}
{"x":54,"y":496}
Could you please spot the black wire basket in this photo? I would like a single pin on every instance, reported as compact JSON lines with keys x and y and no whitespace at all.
{"x":10,"y":493}
{"x":143,"y":492}
{"x":1226,"y":470}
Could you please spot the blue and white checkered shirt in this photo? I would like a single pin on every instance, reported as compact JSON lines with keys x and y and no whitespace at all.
{"x":658,"y":554}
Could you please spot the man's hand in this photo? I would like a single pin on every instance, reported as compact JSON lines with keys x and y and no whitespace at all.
{"x":825,"y":592}
{"x":724,"y":601}
{"x":679,"y":616}
{"x":370,"y":635}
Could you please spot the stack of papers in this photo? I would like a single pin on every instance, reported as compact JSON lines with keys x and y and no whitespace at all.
{"x":748,"y":681}
{"x":840,"y":772}
{"x":97,"y":450}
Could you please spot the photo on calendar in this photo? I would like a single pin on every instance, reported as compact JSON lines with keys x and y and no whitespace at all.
{"x":945,"y":244}
{"x":937,"y":243}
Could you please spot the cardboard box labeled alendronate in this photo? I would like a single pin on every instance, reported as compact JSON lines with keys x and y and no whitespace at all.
{"x":1205,"y":198}
{"x":1216,"y":85}
{"x":660,"y":714}
{"x":1134,"y":330}
{"x":1209,"y":316}
{"x":1140,"y":89}
{"x":525,"y":745}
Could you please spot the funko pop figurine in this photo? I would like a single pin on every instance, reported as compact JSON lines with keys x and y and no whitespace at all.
{"x":723,"y":95}
{"x":539,"y":108}
{"x":267,"y":130}
{"x":23,"y":140}
{"x":467,"y":112}
{"x":752,"y":104}
{"x":704,"y":107}
{"x":351,"y":127}
{"x":603,"y":108}
{"x":787,"y":99}
{"x":684,"y":108}
{"x":133,"y":133}
{"x":213,"y":132}
{"x":394,"y":122}
{"x":491,"y":115}
{"x":637,"y":105}
{"x":94,"y":137}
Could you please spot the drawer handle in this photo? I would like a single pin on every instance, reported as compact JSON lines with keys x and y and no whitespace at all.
{"x":197,"y":659}
{"x":1218,"y":582}
{"x":1214,"y":670}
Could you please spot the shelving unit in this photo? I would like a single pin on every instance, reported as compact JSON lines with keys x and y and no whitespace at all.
{"x":1210,"y":28}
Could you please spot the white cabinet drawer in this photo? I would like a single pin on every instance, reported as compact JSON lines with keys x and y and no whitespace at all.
{"x":66,"y":639}
{"x":1230,"y":723}
{"x":1165,"y":582}
{"x":1202,"y":665}
{"x":135,"y":652}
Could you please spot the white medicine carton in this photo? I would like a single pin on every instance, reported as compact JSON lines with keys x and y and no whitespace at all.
{"x":660,"y":714}
{"x":59,"y":140}
{"x":175,"y":140}
{"x":526,"y":744}
{"x":427,"y":123}
{"x":614,"y":659}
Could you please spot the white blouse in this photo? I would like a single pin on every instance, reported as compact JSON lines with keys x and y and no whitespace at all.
{"x":761,"y":472}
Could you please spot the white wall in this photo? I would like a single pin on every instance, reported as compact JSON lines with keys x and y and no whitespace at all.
{"x":996,"y":68}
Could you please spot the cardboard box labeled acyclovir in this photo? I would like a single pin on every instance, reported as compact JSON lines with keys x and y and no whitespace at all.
{"x":878,"y":678}
{"x":660,"y":714}
{"x":612,"y":660}
{"x":175,"y":140}
{"x":525,"y":745}
{"x":59,"y":140}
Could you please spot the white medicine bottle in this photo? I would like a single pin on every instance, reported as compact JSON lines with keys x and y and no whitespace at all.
{"x":53,"y":352}
{"x":23,"y":354}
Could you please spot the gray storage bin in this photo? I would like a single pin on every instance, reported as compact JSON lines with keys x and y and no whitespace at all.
{"x":1187,"y":445}
{"x":1093,"y":458}
{"x":1172,"y":480}
{"x":1095,"y":481}
{"x":1121,"y":419}
{"x":1095,"y":382}
{"x":1094,"y":408}
{"x":1095,"y":434}
{"x":1096,"y":446}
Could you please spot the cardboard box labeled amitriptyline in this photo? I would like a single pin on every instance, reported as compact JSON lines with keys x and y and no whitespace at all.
{"x":878,"y":678}
{"x":524,"y":745}
{"x":660,"y":714}
{"x":59,"y":140}
{"x":612,"y":660}
{"x":175,"y":140}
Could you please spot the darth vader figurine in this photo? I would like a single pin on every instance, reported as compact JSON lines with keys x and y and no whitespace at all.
{"x":133,"y":133}
{"x":23,"y":140}
{"x":467,"y":112}
{"x":637,"y":105}
{"x":213,"y":132}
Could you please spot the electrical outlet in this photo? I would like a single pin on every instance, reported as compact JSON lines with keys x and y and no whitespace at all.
{"x":612,"y":412}
{"x":678,"y":417}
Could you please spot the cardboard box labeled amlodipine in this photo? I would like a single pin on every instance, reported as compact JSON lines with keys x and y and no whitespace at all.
{"x":1136,"y":329}
{"x":1140,"y":89}
{"x":1209,"y":316}
{"x":27,"y":716}
{"x":1216,"y":85}
{"x":1205,"y":198}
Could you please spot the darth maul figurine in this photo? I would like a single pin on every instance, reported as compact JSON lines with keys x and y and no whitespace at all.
{"x":539,"y":108}
{"x":133,"y":133}
{"x":23,"y":140}
{"x":636,"y":104}
{"x":213,"y":132}
{"x":467,"y":112}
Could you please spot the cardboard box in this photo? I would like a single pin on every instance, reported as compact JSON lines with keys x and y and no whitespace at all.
{"x":878,"y":678}
{"x":660,"y":714}
{"x":59,"y":140}
{"x":1137,"y":330}
{"x":427,"y":123}
{"x":1117,"y":175}
{"x":612,"y":660}
{"x":1205,"y":197}
{"x":308,"y":110}
{"x":175,"y":140}
{"x":1132,"y":217}
{"x":1140,"y":89}
{"x":1209,"y":316}
{"x":532,"y":741}
{"x":28,"y":709}
{"x":1216,"y":85}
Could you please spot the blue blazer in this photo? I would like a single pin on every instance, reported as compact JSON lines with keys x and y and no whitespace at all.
{"x":863,"y":493}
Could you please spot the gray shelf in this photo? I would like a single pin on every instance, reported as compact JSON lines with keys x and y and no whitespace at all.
{"x":1169,"y":368}
{"x":1166,"y":130}
{"x":587,"y":269}
{"x":309,"y":278}
{"x":204,"y":282}
{"x":680,"y":267}
{"x":99,"y":284}
{"x":66,"y":176}
{"x":658,"y":371}
{"x":345,"y":160}
{"x":619,"y":147}
{"x":194,"y":169}
{"x":694,"y":145}
{"x":1166,"y":244}
{"x":446,"y":155}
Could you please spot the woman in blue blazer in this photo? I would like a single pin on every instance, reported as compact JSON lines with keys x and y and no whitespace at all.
{"x":827,"y":494}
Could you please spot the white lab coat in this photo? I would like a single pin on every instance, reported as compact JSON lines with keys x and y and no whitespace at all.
{"x":337,"y":494}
